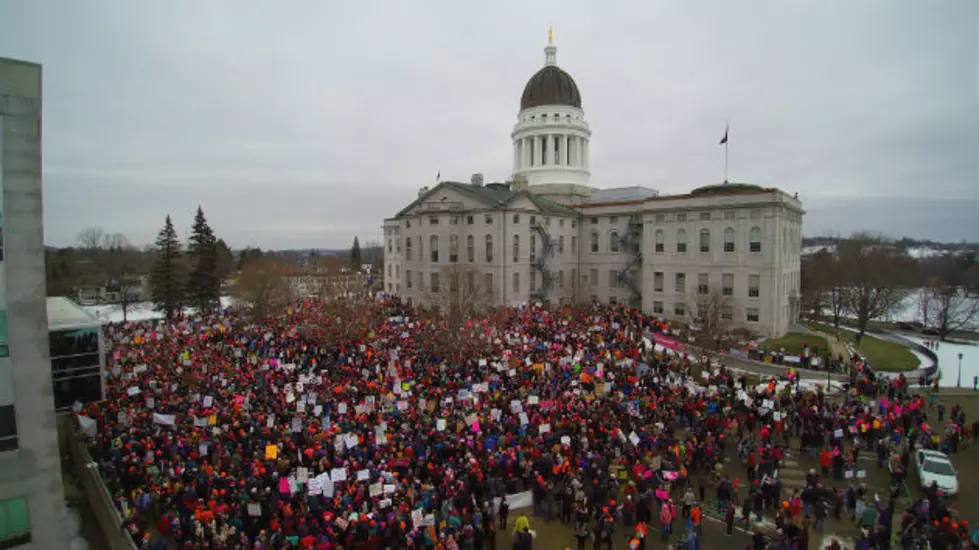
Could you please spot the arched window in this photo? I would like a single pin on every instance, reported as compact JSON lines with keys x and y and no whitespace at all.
{"x":705,"y":240}
{"x":754,"y":239}
{"x":681,"y":241}
{"x":729,"y":238}
{"x":408,"y":249}
{"x":471,"y":248}
{"x":489,"y":248}
{"x":613,"y":241}
{"x":516,"y":248}
{"x":453,"y":248}
{"x":660,"y":237}
{"x":433,"y":248}
{"x":594,"y":242}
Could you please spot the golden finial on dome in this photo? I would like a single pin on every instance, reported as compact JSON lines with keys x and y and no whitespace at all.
{"x":550,"y":35}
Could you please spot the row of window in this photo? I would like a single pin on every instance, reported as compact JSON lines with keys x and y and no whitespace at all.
{"x":614,"y":244}
{"x":704,"y":243}
{"x":703,"y":283}
{"x":456,"y":219}
{"x":751,"y":314}
{"x":683,"y":217}
{"x":679,"y":217}
{"x":434,"y":252}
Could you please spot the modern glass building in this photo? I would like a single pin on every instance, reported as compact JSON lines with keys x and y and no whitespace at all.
{"x":77,"y":362}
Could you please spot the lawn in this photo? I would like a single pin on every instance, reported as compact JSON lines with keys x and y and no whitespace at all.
{"x":888,"y":356}
{"x":883,"y":355}
{"x":793,"y":343}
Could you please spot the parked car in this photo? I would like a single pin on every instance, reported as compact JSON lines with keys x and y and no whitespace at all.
{"x":935,"y":467}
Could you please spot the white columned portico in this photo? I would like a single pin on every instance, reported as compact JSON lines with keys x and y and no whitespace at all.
{"x":564,"y":150}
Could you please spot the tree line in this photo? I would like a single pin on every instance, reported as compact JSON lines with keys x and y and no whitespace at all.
{"x":867,"y":278}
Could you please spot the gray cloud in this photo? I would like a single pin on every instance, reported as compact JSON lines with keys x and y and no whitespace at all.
{"x":305,"y":124}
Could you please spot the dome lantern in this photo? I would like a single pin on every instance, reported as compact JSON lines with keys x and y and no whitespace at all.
{"x":551,"y":137}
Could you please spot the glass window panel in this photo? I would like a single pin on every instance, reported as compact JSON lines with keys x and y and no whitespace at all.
{"x":85,"y":389}
{"x":73,"y":342}
{"x":62,"y":366}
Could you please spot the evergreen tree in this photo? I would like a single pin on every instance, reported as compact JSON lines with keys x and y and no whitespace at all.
{"x":165,"y":283}
{"x":355,"y":258}
{"x":204,"y":282}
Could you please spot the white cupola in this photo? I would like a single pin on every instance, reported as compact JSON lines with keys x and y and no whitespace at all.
{"x":551,"y":137}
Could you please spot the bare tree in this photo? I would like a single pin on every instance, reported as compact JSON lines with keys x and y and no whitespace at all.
{"x":91,"y":238}
{"x":576,"y":293}
{"x":950,"y":299}
{"x":818,"y":290}
{"x":459,"y":293}
{"x":372,"y":254}
{"x":117,"y":265}
{"x":262,"y":287}
{"x":710,"y":315}
{"x":925,"y":307}
{"x":459,"y":311}
{"x":877,"y":278}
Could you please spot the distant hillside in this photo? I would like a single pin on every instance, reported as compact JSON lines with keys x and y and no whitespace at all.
{"x":914,"y":247}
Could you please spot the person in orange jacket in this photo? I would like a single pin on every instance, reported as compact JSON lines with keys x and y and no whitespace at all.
{"x":696,"y":517}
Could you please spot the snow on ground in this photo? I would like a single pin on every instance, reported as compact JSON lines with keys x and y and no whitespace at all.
{"x":804,"y":385}
{"x":948,"y":362}
{"x":142,"y":311}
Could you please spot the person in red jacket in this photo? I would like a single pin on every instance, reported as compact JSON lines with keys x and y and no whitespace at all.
{"x":825,"y":461}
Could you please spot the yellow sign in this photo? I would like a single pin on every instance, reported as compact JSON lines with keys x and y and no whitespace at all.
{"x":271,"y":452}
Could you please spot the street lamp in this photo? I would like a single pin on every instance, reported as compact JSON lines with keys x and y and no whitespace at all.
{"x":958,"y":384}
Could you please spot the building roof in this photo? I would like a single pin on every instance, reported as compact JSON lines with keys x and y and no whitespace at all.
{"x":65,"y":314}
{"x":620,"y":194}
{"x":550,"y":86}
{"x":497,"y":195}
{"x":728,"y":188}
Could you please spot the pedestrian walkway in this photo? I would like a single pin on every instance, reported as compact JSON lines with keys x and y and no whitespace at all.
{"x":836,"y":346}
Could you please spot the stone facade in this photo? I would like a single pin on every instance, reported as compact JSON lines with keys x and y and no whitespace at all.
{"x":31,"y":469}
{"x":751,"y":252}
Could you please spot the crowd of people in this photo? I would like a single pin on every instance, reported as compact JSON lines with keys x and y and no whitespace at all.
{"x":384,"y":427}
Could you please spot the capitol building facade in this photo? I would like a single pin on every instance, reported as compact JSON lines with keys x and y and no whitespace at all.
{"x":725,"y":254}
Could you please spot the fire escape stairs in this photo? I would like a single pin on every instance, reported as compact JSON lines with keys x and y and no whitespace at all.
{"x":631,"y":273}
{"x":539,"y":263}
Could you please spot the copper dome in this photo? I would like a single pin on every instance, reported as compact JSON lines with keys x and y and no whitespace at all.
{"x":550,"y":86}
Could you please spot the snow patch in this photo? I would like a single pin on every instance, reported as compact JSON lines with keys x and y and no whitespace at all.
{"x":948,"y":362}
{"x":141,"y":311}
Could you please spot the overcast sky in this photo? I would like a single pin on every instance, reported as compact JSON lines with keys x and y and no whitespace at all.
{"x":304,"y":123}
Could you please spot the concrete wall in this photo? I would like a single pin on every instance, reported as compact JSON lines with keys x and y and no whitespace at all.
{"x":34,"y":469}
{"x":99,"y":498}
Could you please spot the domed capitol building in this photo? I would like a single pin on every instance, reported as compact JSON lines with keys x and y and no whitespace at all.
{"x":727,"y":254}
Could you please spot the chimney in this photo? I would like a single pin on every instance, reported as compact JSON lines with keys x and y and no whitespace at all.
{"x":422,"y":191}
{"x":476,"y":180}
{"x":520,"y":182}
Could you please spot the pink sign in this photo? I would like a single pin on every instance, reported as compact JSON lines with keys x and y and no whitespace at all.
{"x":669,"y":343}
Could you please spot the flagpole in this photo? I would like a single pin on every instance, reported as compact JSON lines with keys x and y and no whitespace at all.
{"x":727,"y":139}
